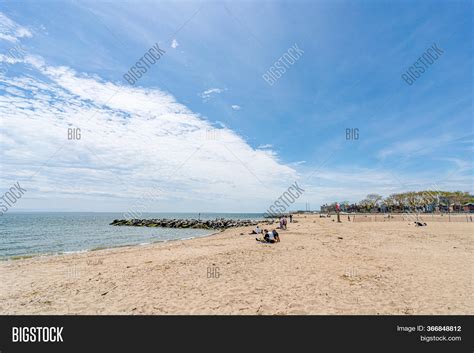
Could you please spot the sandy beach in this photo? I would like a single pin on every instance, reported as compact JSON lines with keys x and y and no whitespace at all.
{"x":320,"y":267}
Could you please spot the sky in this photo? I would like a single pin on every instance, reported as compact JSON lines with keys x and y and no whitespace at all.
{"x":203,"y":131}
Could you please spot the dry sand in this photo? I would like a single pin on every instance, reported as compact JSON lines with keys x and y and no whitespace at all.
{"x":320,"y":267}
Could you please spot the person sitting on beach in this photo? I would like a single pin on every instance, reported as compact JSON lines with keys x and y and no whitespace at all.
{"x":276,"y":235}
{"x":257,"y":230}
{"x":267,"y":238}
{"x":419,"y":224}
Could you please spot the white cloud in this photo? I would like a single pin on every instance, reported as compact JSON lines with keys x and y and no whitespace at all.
{"x":236,"y":107}
{"x":298,"y":163}
{"x":11,"y":31}
{"x":265,"y":146}
{"x":326,"y":184}
{"x":207,"y":94}
{"x":416,"y":147}
{"x":174,"y":44}
{"x":132,"y":140}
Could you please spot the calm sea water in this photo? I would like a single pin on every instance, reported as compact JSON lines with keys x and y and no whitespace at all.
{"x":25,"y":234}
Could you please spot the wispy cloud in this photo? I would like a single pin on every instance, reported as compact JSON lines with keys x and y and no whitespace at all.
{"x":236,"y":107}
{"x":298,"y":163}
{"x":211,"y":92}
{"x":335,"y":184}
{"x":11,"y":31}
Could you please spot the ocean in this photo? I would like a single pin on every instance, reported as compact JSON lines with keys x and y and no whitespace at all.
{"x":43,"y":233}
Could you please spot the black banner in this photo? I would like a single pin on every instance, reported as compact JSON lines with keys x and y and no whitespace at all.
{"x":294,"y":333}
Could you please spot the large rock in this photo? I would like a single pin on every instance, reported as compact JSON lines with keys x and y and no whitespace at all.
{"x":186,"y":223}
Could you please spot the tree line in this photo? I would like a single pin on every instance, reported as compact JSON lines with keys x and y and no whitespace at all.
{"x":413,"y":201}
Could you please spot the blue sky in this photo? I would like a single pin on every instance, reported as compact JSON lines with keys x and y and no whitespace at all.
{"x":204,"y":127}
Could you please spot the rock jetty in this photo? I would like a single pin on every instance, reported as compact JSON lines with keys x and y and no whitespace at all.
{"x":187,"y":223}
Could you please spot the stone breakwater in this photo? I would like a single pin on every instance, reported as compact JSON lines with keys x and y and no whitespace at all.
{"x":187,"y":223}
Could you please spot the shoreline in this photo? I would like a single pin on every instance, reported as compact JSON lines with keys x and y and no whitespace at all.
{"x":68,"y":253}
{"x":111,"y":233}
{"x":320,"y":267}
{"x":373,"y":217}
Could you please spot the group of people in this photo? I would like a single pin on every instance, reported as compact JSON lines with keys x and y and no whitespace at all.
{"x":271,"y":236}
{"x":283,"y":222}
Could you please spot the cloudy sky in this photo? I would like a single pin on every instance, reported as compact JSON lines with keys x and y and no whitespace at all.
{"x":204,"y":130}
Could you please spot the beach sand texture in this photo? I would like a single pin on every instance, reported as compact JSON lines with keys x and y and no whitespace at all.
{"x":320,"y":267}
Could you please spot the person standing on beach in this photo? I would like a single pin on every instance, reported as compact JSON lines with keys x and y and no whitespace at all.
{"x":338,"y":212}
{"x":291,"y":218}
